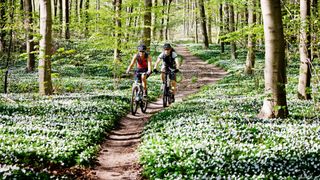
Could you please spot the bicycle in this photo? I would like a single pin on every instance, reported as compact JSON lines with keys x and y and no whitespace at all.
{"x":168,"y":96}
{"x":138,"y":97}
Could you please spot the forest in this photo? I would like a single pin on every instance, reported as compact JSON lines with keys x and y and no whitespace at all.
{"x":65,"y":94}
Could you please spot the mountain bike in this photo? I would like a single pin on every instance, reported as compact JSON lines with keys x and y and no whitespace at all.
{"x":138,"y":98}
{"x":168,"y":96}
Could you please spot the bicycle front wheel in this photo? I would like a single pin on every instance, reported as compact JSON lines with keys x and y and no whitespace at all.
{"x":144,"y":104}
{"x":134,"y":102}
{"x":165,"y":97}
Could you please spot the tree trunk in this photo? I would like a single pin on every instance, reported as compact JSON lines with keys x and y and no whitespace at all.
{"x":155,"y":17}
{"x":45,"y":83}
{"x":210,"y":27}
{"x":55,"y":4}
{"x":117,"y":7}
{"x":251,"y":42}
{"x":147,"y":23}
{"x":275,"y":103}
{"x":168,"y":20}
{"x":67,"y":16}
{"x":6,"y":74}
{"x":221,"y":32}
{"x":315,"y":39}
{"x":86,"y":26}
{"x":2,"y":25}
{"x":162,"y":20}
{"x":196,"y":22}
{"x":304,"y":88}
{"x":61,"y":17}
{"x":203,"y":24}
{"x":97,"y":15}
{"x":232,"y":29}
{"x":29,"y":37}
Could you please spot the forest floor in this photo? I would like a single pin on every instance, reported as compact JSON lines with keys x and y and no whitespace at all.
{"x":118,"y":158}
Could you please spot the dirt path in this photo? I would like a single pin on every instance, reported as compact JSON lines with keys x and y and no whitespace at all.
{"x":119,"y":158}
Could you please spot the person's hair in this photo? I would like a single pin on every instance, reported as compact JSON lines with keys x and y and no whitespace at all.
{"x":167,"y":45}
{"x":142,"y":47}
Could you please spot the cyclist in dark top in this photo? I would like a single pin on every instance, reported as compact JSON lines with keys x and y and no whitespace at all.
{"x":169,"y":60}
{"x":143,"y":61}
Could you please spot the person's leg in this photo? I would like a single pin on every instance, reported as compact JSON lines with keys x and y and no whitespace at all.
{"x":174,"y":86}
{"x":144,"y":83}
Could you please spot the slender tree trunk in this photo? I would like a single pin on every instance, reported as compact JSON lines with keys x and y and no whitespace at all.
{"x":6,"y":74}
{"x":232,"y":29}
{"x":86,"y":26}
{"x":67,"y":16}
{"x":97,"y":15}
{"x":221,"y":32}
{"x":147,"y":23}
{"x":196,"y":22}
{"x":76,"y":11}
{"x":203,"y":24}
{"x":162,"y":20}
{"x":275,"y":103}
{"x":29,"y":37}
{"x":129,"y":22}
{"x":315,"y":39}
{"x":168,"y":20}
{"x":55,"y":4}
{"x":117,"y":4}
{"x":2,"y":25}
{"x":155,"y":17}
{"x":45,"y":83}
{"x":304,"y":88}
{"x":251,"y":42}
{"x":61,"y":17}
{"x":210,"y":27}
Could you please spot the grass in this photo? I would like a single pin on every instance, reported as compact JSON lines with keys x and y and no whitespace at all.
{"x":216,"y":134}
{"x":41,"y":135}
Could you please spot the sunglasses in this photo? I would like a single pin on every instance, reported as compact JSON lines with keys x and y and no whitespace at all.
{"x":167,"y":49}
{"x":142,"y":51}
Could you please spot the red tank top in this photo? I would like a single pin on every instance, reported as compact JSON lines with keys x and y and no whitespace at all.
{"x":142,"y":63}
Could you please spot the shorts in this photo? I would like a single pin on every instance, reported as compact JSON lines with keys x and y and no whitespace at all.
{"x":137,"y":73}
{"x":172,"y":74}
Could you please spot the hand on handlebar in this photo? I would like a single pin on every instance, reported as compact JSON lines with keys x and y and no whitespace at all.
{"x":155,"y":71}
{"x":176,"y":70}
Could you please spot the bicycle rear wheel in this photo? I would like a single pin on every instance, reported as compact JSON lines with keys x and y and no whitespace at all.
{"x":165,"y":97}
{"x":144,"y":105}
{"x":134,"y":102}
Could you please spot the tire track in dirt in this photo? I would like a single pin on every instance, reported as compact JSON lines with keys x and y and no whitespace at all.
{"x":118,"y":158}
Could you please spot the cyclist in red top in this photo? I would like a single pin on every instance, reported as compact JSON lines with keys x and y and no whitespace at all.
{"x":143,"y":61}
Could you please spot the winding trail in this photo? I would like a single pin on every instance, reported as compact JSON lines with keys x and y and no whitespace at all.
{"x":118,"y":157}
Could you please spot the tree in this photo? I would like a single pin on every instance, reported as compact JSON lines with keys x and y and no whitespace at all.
{"x":45,"y":83}
{"x":232,"y":29}
{"x":29,"y":37}
{"x":117,"y":35}
{"x":162,"y":20}
{"x":275,"y":104}
{"x":251,"y":42}
{"x":304,"y":91}
{"x":67,"y":20}
{"x":147,"y":23}
{"x":203,"y":24}
{"x":168,"y":19}
{"x":221,"y":29}
{"x":2,"y":24}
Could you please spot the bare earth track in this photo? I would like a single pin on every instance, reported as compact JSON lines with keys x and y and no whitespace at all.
{"x":118,"y":157}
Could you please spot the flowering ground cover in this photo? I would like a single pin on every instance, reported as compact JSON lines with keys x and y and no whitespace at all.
{"x":215,"y":133}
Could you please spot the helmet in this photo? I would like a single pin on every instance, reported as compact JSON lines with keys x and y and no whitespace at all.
{"x":167,"y":46}
{"x":142,"y":47}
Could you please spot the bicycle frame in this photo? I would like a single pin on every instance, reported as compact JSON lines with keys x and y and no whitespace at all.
{"x":137,"y":97}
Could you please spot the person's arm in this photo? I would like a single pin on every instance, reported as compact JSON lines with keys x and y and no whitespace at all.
{"x":177,"y":63}
{"x":157,"y":62}
{"x":149,"y":64}
{"x":133,"y":61}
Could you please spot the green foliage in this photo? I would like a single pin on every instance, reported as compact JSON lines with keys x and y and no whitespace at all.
{"x":215,"y":133}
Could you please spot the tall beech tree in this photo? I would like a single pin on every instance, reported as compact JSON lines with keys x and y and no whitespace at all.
{"x":117,"y":35}
{"x":275,"y":103}
{"x":147,"y":23}
{"x":304,"y":88}
{"x":251,"y":42}
{"x":45,"y":83}
{"x":232,"y":29}
{"x":203,"y":24}
{"x":28,"y":20}
{"x":2,"y":24}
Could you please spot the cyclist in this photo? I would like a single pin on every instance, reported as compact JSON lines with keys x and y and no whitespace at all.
{"x":143,"y":61}
{"x":169,"y":60}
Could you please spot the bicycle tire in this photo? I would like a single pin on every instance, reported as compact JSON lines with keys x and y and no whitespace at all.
{"x":165,"y":97}
{"x":144,"y":105}
{"x":134,"y":103}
